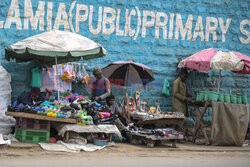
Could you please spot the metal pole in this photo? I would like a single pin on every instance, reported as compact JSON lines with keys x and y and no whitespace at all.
{"x":57,"y":82}
{"x":219,"y":81}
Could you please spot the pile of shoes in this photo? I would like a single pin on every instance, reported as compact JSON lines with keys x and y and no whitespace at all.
{"x":168,"y":132}
{"x":72,"y":105}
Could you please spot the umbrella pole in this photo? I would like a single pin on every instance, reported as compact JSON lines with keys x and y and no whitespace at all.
{"x":219,"y":81}
{"x":57,"y":82}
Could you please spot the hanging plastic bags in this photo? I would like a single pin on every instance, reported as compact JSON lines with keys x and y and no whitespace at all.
{"x":81,"y":74}
{"x":165,"y":88}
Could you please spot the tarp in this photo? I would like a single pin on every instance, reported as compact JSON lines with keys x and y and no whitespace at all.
{"x":108,"y":129}
{"x":69,"y":147}
{"x":229,"y":123}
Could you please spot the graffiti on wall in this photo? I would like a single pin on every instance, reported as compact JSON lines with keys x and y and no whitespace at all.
{"x":121,"y":22}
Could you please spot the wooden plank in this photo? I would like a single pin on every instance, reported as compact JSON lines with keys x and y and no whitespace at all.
{"x":41,"y":117}
{"x":200,"y":124}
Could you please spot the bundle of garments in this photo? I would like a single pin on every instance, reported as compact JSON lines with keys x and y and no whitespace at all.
{"x":168,"y":132}
{"x":73,"y":106}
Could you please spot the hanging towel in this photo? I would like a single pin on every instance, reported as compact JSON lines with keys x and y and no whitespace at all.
{"x":165,"y":88}
{"x":50,"y":76}
{"x":36,"y":77}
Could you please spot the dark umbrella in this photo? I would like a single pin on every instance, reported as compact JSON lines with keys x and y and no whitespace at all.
{"x":127,"y":73}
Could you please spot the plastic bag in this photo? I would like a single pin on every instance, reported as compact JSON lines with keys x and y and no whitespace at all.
{"x":81,"y":73}
{"x":165,"y":88}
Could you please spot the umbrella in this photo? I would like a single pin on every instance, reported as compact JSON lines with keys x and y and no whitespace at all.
{"x":127,"y":73}
{"x":54,"y":47}
{"x":220,"y":59}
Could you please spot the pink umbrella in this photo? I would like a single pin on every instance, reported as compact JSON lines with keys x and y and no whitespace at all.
{"x":220,"y":59}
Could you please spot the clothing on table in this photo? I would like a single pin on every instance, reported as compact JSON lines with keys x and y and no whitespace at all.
{"x":25,"y":98}
{"x":36,"y":77}
{"x":101,"y":88}
{"x":179,"y":96}
{"x":51,"y":76}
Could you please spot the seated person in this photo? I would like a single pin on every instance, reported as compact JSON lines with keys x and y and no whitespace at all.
{"x":31,"y":98}
{"x":116,"y":110}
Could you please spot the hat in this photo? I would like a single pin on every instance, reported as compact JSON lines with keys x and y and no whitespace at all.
{"x":97,"y":70}
{"x":35,"y":91}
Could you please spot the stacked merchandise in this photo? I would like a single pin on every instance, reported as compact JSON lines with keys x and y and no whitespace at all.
{"x":221,"y":97}
{"x":142,"y":110}
{"x":32,"y":131}
{"x":72,"y":105}
{"x":149,"y":116}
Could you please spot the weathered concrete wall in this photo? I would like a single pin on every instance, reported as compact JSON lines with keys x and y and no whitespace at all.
{"x":155,"y":33}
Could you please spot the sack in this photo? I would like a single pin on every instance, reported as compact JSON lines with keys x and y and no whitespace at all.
{"x":165,"y":88}
{"x":6,"y":122}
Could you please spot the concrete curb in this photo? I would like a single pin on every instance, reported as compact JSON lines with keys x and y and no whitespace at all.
{"x":189,"y":148}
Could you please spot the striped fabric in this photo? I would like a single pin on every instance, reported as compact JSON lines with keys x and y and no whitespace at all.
{"x":50,"y":76}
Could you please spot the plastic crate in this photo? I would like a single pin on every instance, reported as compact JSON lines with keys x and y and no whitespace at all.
{"x":32,"y":136}
{"x":32,"y":124}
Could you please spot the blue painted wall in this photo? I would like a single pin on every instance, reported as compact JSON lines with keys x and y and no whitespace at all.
{"x":158,"y":53}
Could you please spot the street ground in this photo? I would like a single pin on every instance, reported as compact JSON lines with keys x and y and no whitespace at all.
{"x":126,"y":155}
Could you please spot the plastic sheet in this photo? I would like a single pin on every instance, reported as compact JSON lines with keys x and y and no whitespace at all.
{"x":6,"y":122}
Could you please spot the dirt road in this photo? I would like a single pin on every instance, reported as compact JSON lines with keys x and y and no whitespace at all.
{"x":123,"y":155}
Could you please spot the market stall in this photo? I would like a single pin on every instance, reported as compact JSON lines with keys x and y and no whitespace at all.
{"x":33,"y":122}
{"x":47,"y":50}
{"x":230,"y":111}
{"x":138,"y":112}
{"x":145,"y":131}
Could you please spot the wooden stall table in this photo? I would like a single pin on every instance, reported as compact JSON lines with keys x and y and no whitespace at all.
{"x":64,"y":130}
{"x":70,"y":125}
{"x":150,"y":140}
{"x":143,"y":120}
{"x":200,"y":124}
{"x":41,"y":117}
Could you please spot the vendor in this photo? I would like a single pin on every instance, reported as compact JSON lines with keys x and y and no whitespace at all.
{"x":180,"y":97}
{"x":116,"y":110}
{"x":101,"y":87}
{"x":31,"y":98}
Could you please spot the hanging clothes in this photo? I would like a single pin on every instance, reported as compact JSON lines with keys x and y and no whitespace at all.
{"x":36,"y":77}
{"x":51,"y":76}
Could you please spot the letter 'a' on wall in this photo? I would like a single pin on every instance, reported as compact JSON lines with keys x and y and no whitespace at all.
{"x":135,"y":22}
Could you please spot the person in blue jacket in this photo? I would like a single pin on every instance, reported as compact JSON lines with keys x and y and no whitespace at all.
{"x":31,"y":98}
{"x":101,"y":87}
